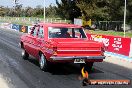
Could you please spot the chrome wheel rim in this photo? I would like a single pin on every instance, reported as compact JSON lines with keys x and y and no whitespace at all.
{"x":42,"y":61}
{"x":23,"y":52}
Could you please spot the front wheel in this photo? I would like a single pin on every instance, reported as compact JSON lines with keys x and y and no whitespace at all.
{"x":44,"y":64}
{"x":24,"y":54}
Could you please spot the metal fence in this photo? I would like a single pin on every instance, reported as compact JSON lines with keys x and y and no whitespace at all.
{"x":102,"y":25}
{"x":109,"y":25}
{"x":31,"y":20}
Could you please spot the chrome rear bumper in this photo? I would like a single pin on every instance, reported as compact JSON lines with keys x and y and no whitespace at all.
{"x":76,"y":57}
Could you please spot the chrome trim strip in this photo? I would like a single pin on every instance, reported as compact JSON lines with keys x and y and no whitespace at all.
{"x":79,"y":50}
{"x":74,"y":42}
{"x":76,"y":57}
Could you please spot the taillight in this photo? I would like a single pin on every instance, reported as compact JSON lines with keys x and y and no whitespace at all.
{"x":54,"y":50}
{"x":102,"y":49}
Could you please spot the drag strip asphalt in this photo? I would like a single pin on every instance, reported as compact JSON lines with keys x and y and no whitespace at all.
{"x":27,"y":74}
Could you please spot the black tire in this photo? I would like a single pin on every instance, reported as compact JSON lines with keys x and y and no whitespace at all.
{"x":44,"y":64}
{"x":87,"y":67}
{"x":25,"y":55}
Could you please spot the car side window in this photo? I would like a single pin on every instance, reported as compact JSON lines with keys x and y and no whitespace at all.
{"x":41,"y":32}
{"x":35,"y":31}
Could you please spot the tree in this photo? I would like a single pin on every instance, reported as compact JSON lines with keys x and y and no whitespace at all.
{"x":38,"y":11}
{"x":18,"y":9}
{"x":116,"y":9}
{"x":2,"y":12}
{"x":51,"y":11}
{"x":129,"y":13}
{"x":28,"y":12}
{"x":68,"y":9}
{"x":93,"y":9}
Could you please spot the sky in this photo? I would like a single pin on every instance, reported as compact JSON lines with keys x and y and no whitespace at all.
{"x":31,"y":3}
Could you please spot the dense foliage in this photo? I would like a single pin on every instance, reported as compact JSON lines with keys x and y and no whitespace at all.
{"x":110,"y":10}
{"x":70,"y":9}
{"x":19,"y":11}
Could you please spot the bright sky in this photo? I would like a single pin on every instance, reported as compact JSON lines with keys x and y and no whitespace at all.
{"x":31,"y":3}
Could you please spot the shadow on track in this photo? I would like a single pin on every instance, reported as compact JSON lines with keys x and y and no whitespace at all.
{"x":63,"y":68}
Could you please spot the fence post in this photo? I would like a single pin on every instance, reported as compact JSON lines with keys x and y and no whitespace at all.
{"x":55,"y":20}
{"x":48,"y":20}
{"x":65,"y":20}
{"x":29,"y":19}
{"x":51,"y":20}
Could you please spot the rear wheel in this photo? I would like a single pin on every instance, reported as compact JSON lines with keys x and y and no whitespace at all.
{"x":25,"y":55}
{"x":44,"y":64}
{"x":88,"y":66}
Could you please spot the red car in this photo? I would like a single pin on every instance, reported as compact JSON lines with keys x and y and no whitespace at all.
{"x":61,"y":43}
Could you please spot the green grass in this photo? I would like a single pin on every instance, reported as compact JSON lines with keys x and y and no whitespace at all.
{"x":128,"y":34}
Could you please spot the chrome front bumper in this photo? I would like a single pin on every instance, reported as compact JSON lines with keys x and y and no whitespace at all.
{"x":76,"y":57}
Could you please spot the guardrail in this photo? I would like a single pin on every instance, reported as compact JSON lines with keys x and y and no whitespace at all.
{"x":30,"y":20}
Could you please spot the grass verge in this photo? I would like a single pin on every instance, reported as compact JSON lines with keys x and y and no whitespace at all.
{"x":113,"y":33}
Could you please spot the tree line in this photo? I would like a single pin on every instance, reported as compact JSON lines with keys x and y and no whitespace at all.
{"x":110,"y":10}
{"x":19,"y":11}
{"x":98,"y":10}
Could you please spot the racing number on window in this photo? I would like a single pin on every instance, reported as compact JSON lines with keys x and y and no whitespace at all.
{"x":41,"y":32}
{"x":34,"y":31}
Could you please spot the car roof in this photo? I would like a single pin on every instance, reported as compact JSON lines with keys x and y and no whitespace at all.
{"x":60,"y":25}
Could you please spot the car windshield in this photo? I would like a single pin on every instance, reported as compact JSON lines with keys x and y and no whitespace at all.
{"x":56,"y":32}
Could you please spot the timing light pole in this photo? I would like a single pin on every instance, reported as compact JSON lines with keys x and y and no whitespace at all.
{"x":44,"y":11}
{"x":125,"y":19}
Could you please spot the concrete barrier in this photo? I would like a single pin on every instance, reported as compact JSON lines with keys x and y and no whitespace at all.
{"x":23,"y":29}
{"x":130,"y":54}
{"x":5,"y":25}
{"x":15,"y":27}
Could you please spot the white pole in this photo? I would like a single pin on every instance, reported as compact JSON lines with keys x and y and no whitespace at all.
{"x":44,"y":11}
{"x":125,"y":19}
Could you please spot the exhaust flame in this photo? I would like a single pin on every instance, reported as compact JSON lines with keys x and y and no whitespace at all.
{"x":86,"y":79}
{"x":84,"y":73}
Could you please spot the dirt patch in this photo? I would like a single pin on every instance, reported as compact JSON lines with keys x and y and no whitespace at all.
{"x":3,"y":83}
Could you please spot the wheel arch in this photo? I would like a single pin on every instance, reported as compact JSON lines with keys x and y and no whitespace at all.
{"x":40,"y":52}
{"x":21,"y":45}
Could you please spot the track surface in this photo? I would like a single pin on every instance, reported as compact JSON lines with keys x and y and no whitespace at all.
{"x":26,"y":73}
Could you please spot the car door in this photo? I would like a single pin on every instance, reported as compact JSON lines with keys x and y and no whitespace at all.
{"x":32,"y":43}
{"x":40,"y":39}
{"x":29,"y":40}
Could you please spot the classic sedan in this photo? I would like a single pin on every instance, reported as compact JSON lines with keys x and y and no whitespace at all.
{"x":61,"y":43}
